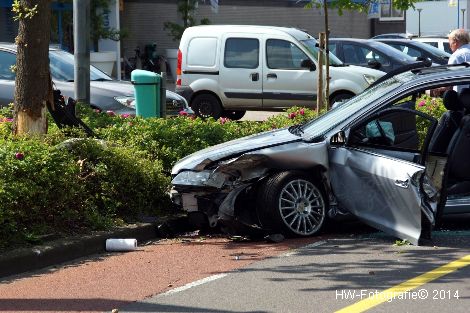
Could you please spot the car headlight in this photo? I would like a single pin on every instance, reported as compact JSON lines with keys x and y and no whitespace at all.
{"x":127,"y":101}
{"x":191,"y":178}
{"x":370,"y":79}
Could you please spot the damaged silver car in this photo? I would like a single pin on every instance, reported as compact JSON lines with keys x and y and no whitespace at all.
{"x":375,"y":157}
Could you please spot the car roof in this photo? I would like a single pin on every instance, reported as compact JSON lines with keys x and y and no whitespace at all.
{"x":431,"y":39}
{"x":376,"y":44}
{"x":392,"y":35}
{"x":417,"y":44}
{"x":13,"y":47}
{"x":265,"y":29}
{"x":441,"y":72}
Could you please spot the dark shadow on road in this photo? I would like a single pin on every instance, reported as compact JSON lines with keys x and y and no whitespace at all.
{"x":65,"y":305}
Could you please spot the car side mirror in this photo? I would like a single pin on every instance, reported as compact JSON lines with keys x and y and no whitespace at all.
{"x":425,"y":61}
{"x":338,"y":139}
{"x":374,"y":64}
{"x":308,"y":64}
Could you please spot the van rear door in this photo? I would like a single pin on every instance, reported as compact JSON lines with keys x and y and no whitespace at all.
{"x":285,"y":81}
{"x":240,"y":77}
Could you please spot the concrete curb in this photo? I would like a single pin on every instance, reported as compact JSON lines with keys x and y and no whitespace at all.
{"x":62,"y":250}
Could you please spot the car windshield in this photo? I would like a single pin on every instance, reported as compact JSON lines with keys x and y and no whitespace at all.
{"x":310,"y":44}
{"x":391,"y":52}
{"x":433,"y":50}
{"x":320,"y":126}
{"x":62,"y":64}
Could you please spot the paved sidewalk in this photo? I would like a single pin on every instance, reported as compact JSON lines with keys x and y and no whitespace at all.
{"x":62,"y":250}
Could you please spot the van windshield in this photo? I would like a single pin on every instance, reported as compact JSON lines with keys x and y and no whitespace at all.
{"x":310,"y":44}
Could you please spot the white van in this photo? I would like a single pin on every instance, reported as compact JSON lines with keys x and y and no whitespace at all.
{"x":224,"y":70}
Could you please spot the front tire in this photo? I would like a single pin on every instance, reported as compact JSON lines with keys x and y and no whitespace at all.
{"x":206,"y":105}
{"x":292,"y":203}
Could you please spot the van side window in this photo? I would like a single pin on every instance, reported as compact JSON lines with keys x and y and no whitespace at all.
{"x":282,"y":54}
{"x":241,"y":53}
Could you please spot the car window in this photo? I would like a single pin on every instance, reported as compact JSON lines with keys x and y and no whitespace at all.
{"x":399,"y":126}
{"x":241,"y":53}
{"x":311,"y":45}
{"x":332,"y":48}
{"x":353,"y":55}
{"x":432,"y":50}
{"x":432,"y":43}
{"x":319,"y":126}
{"x":447,"y":47}
{"x":412,"y":52}
{"x":282,"y":54}
{"x":397,"y":129}
{"x":7,"y":60}
{"x":61,"y":64}
{"x":370,"y":55}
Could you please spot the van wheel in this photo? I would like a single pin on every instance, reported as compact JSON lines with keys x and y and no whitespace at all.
{"x":206,"y":105}
{"x":233,"y":115}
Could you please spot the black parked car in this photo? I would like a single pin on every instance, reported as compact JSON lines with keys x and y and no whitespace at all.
{"x":418,"y":50}
{"x":369,"y":53}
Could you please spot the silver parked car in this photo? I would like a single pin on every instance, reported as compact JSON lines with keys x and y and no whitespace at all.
{"x":105,"y":93}
{"x":375,"y":157}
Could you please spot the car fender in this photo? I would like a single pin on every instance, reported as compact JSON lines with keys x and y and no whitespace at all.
{"x":345,"y":85}
{"x":205,"y":84}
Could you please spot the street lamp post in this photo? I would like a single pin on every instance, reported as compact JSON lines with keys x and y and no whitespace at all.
{"x":463,"y":18}
{"x":419,"y":22}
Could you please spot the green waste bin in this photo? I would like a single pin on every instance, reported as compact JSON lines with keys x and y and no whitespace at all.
{"x":147,"y":87}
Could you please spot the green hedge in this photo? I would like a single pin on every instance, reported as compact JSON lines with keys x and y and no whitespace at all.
{"x":55,"y":184}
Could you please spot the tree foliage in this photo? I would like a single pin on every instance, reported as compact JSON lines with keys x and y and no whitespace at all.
{"x":357,"y":5}
{"x":186,"y":8}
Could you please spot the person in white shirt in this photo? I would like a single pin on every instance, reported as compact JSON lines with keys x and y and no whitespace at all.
{"x":459,"y":41}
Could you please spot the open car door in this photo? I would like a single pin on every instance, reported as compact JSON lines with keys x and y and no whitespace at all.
{"x":379,"y":174}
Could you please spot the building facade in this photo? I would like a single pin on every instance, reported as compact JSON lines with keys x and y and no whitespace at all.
{"x":144,"y":19}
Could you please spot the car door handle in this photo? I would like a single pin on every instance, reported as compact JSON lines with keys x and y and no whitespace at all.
{"x":271,"y":75}
{"x":254,"y":76}
{"x":402,"y":183}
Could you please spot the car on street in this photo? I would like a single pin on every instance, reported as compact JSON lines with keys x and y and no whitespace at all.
{"x":106,"y":94}
{"x":369,"y":53}
{"x":374,"y":157}
{"x":418,"y":50}
{"x":441,"y":43}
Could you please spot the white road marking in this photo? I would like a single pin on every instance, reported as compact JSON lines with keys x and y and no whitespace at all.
{"x":294,"y":252}
{"x":194,"y":284}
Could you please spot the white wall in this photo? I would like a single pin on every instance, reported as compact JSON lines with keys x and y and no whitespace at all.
{"x":437,"y":18}
{"x":111,"y":20}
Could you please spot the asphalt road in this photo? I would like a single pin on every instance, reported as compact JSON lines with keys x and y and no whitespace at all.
{"x":333,"y":274}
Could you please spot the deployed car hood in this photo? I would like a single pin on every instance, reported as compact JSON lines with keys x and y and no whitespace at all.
{"x":235,"y":147}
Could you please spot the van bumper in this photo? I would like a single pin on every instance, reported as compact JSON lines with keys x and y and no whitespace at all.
{"x":186,"y":92}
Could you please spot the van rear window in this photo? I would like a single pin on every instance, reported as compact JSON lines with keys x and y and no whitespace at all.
{"x":202,"y":51}
{"x":241,"y":53}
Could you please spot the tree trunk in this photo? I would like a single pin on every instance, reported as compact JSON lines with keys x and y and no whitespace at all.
{"x":33,"y":86}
